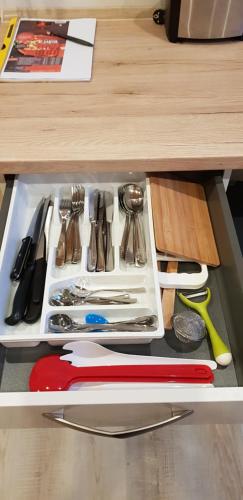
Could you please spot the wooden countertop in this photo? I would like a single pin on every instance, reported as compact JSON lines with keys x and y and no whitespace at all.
{"x":151,"y":105}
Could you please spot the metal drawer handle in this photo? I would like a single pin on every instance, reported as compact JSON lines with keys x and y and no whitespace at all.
{"x":59,"y":418}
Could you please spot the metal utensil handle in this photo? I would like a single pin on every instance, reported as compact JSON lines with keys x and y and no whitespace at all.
{"x":76,"y":241}
{"x":109,"y":261}
{"x":114,"y":328}
{"x":61,"y":247}
{"x":124,"y":238}
{"x":140,"y":247}
{"x":69,"y":239}
{"x":140,"y":289}
{"x":109,"y":300}
{"x":129,"y":254}
{"x":59,"y":417}
{"x":129,"y":327}
{"x":138,"y":327}
{"x":100,"y":248}
{"x":92,"y":249}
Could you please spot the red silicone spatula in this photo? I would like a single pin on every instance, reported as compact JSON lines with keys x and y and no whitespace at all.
{"x":50,"y":373}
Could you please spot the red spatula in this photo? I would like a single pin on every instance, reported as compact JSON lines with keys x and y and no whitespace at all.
{"x":51,"y":373}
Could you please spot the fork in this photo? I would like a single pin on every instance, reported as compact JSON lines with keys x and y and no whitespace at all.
{"x":78,"y":194}
{"x":64,"y":212}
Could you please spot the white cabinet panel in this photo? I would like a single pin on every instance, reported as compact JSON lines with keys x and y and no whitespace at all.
{"x":101,"y":408}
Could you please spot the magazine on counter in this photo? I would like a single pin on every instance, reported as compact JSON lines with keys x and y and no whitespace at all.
{"x":35,"y":53}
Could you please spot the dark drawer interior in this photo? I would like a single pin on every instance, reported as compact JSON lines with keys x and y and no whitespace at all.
{"x":235,"y":199}
{"x":226,"y":307}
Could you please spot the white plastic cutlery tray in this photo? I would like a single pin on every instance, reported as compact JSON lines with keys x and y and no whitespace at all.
{"x":26,"y":194}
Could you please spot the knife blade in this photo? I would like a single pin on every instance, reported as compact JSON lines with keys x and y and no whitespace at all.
{"x":109,"y":208}
{"x":93,"y":206}
{"x":93,"y":215}
{"x":100,"y":236}
{"x":24,"y":250}
{"x":39,"y":275}
{"x":22,"y":294}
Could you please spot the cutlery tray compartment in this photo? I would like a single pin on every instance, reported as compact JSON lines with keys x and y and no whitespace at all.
{"x":27,"y":192}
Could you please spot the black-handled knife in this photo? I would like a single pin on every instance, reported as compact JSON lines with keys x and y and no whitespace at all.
{"x":23,"y":292}
{"x":26,"y":247}
{"x":23,"y":254}
{"x":37,"y":290}
{"x":21,"y":297}
{"x":21,"y":259}
{"x":34,"y":307}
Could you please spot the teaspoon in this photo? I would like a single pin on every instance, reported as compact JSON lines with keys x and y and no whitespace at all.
{"x":133,"y":198}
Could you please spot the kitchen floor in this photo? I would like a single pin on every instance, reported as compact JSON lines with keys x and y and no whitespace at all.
{"x":179,"y":462}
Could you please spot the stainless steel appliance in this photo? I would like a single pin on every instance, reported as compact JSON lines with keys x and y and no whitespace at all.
{"x":202,"y":20}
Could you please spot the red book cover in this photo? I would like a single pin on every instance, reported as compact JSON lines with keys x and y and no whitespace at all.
{"x":35,"y":49}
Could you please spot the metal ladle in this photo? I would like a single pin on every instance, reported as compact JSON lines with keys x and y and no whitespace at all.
{"x":133,"y":198}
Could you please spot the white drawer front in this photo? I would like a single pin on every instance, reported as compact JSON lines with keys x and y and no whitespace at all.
{"x":113,"y":410}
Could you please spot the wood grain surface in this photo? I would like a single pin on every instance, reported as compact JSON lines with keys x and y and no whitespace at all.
{"x":151,"y":105}
{"x":182,"y":463}
{"x":181,"y":218}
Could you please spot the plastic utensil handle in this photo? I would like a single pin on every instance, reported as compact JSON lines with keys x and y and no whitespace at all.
{"x":59,"y":417}
{"x":77,"y":360}
{"x":92,"y":249}
{"x":33,"y":313}
{"x":34,"y":307}
{"x":38,"y":282}
{"x":69,"y":240}
{"x":221,"y":352}
{"x":21,"y":297}
{"x":21,"y":259}
{"x":109,"y":260}
{"x":51,"y":373}
{"x":77,"y":250}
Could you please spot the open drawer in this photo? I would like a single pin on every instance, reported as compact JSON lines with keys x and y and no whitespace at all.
{"x":152,"y":406}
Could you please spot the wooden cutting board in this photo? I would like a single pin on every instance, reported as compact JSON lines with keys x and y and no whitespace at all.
{"x":182,"y":223}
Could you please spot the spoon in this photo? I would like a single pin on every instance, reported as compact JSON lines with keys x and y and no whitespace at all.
{"x":69,"y":299}
{"x":123,"y":246}
{"x":133,"y":198}
{"x":76,"y":295}
{"x":61,"y":323}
